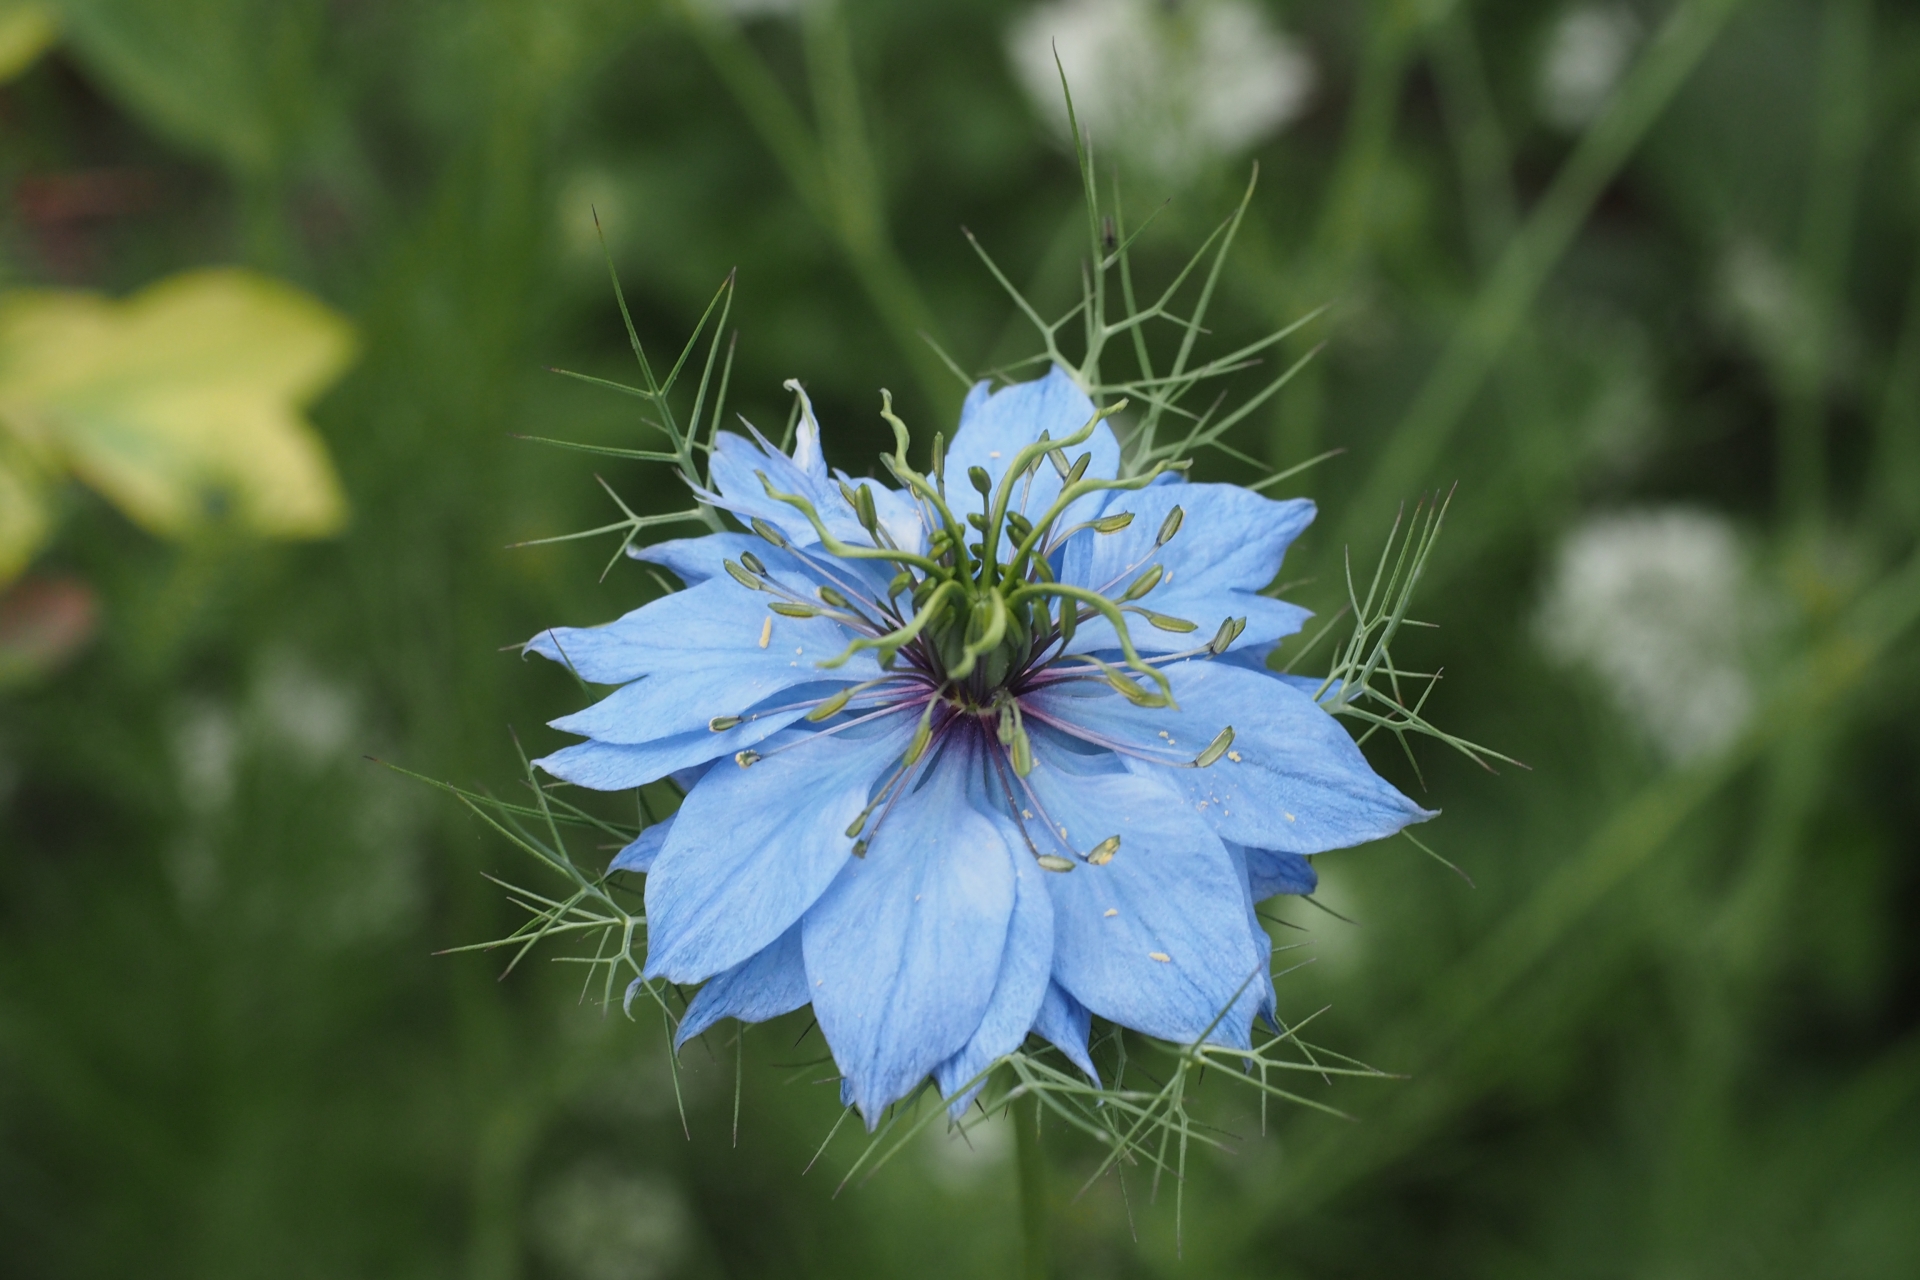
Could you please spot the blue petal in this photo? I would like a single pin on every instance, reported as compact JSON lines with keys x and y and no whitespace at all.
{"x":753,"y":848}
{"x":1229,"y":546}
{"x":612,"y":766}
{"x":665,"y":705}
{"x":771,"y":982}
{"x":716,"y":623}
{"x":1293,"y":781}
{"x":1269,"y":871}
{"x":638,"y":856}
{"x":1158,"y":938}
{"x":1269,"y":1000}
{"x":904,"y":950}
{"x":993,"y":428}
{"x":899,"y":514}
{"x":694,"y":560}
{"x":736,"y":487}
{"x":1064,"y":1023}
{"x":1024,"y":968}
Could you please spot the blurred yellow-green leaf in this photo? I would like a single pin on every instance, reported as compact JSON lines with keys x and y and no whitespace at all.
{"x":182,"y":404}
{"x":25,"y":32}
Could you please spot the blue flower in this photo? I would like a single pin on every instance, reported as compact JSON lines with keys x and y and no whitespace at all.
{"x":980,"y":755}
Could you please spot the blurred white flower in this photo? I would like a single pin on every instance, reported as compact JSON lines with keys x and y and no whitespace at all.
{"x":601,"y":1223}
{"x":1587,"y":50}
{"x":1661,"y":607}
{"x":1167,"y":85}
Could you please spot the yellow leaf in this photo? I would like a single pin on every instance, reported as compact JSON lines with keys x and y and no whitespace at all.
{"x":26,"y":29}
{"x":23,"y":511}
{"x":182,"y":404}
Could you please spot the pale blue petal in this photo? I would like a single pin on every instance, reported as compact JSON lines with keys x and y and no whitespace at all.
{"x":694,"y":560}
{"x":717,"y":622}
{"x":734,"y":472}
{"x":1269,"y":872}
{"x":1269,"y":1001}
{"x":1293,"y":781}
{"x":1158,"y":938}
{"x":1024,"y":968}
{"x":1228,"y":547}
{"x":1065,"y":1023}
{"x":661,"y":706}
{"x":612,"y":766}
{"x":638,"y":857}
{"x":754,"y":847}
{"x":994,"y":427}
{"x":903,"y":952}
{"x":771,"y":982}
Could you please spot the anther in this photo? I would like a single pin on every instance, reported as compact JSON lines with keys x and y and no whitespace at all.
{"x":832,"y":597}
{"x":1101,"y":854}
{"x":1144,"y":583}
{"x":1113,"y":524}
{"x":768,"y":532}
{"x":744,"y":578}
{"x":1079,"y":468}
{"x":863,"y":510}
{"x":720,"y":724}
{"x":745,"y":759}
{"x":922,"y":735}
{"x":1166,"y":623}
{"x":860,"y":848}
{"x":1223,"y":638}
{"x":1170,"y":527}
{"x":753,"y":562}
{"x":1049,"y":862}
{"x":1215,"y":749}
{"x":786,"y":610}
{"x":831,"y":707}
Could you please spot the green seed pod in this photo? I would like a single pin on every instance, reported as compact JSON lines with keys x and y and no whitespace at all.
{"x":978,"y":477}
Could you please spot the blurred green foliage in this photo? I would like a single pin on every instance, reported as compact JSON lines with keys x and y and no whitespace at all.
{"x":1671,"y":1030}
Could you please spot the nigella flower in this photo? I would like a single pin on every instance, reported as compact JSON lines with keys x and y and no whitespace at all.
{"x":985,"y":754}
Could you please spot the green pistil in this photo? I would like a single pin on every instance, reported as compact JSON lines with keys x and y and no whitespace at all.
{"x":973,"y":624}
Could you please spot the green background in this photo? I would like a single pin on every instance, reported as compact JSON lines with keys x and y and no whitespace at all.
{"x":1671,"y":1029}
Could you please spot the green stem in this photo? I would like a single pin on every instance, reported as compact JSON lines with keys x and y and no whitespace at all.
{"x":1032,"y":1189}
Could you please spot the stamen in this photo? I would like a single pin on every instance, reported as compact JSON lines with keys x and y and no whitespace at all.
{"x":753,"y":562}
{"x":746,"y":759}
{"x":1054,"y":862}
{"x":1170,"y":527}
{"x":1101,"y":854}
{"x":720,"y":724}
{"x":1215,"y":749}
{"x":768,"y":532}
{"x":1144,"y":583}
{"x":789,"y":610}
{"x":1113,"y":524}
{"x":744,"y":578}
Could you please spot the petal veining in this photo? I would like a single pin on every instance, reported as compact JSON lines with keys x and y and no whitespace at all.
{"x":753,"y":848}
{"x":904,"y":951}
